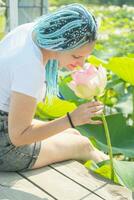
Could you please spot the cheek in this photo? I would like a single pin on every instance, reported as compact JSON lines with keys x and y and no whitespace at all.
{"x":66,"y":60}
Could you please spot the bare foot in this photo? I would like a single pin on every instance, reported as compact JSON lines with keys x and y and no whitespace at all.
{"x":98,"y":156}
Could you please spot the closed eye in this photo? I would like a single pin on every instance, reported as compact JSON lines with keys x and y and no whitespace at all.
{"x":76,"y":57}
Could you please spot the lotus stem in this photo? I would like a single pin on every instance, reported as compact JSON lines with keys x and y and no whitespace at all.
{"x":109,"y":145}
{"x":133,"y":104}
{"x":105,"y":97}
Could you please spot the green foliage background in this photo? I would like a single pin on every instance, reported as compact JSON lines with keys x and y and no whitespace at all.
{"x":98,"y":2}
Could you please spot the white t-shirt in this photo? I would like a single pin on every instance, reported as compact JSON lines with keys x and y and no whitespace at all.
{"x":21,"y":66}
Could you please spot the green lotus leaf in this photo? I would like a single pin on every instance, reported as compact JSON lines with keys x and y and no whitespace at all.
{"x":103,"y":169}
{"x":123,"y":67}
{"x":96,"y":61}
{"x":124,"y":171}
{"x":122,"y":135}
{"x":57,"y":109}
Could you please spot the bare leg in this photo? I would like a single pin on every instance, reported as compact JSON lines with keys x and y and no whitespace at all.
{"x":69,"y":144}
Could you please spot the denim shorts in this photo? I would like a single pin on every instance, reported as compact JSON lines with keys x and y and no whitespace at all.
{"x":14,"y":158}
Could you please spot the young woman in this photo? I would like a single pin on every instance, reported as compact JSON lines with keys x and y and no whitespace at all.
{"x":30,"y":56}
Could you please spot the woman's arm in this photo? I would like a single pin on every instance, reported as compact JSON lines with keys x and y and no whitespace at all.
{"x":23,"y":129}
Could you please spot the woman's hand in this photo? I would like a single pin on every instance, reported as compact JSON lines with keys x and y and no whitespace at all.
{"x":84,"y":113}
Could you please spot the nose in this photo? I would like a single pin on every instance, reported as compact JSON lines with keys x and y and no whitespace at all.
{"x":80,"y":62}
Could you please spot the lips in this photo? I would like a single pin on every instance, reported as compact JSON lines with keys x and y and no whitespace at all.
{"x":71,"y":66}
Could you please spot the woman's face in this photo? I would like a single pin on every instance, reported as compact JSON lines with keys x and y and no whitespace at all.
{"x":75,"y":57}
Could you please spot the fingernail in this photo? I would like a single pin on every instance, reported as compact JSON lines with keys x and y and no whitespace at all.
{"x":101,"y":106}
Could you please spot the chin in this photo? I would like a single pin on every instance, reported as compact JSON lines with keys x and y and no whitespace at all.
{"x":66,"y":68}
{"x":63,"y":67}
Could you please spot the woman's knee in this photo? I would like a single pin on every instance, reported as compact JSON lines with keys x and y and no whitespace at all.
{"x":85,"y":145}
{"x":73,"y":131}
{"x":82,"y":143}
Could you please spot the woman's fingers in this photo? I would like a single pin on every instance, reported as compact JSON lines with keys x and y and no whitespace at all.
{"x":95,"y":121}
{"x":93,"y":104}
{"x":95,"y":114}
{"x":96,"y":109}
{"x":85,"y":112}
{"x":92,"y":114}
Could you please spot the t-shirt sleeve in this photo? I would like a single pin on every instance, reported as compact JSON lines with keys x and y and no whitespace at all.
{"x":27,"y":80}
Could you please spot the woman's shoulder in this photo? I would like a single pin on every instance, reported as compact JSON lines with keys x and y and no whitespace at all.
{"x":18,"y":45}
{"x":23,"y":27}
{"x":15,"y":38}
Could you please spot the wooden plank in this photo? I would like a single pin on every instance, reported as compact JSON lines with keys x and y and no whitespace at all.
{"x":15,"y":187}
{"x":58,"y":185}
{"x":106,"y":189}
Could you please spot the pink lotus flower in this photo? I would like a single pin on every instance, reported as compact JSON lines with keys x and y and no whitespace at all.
{"x":88,"y":82}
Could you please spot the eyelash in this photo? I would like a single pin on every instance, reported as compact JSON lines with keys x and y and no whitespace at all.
{"x":76,"y":57}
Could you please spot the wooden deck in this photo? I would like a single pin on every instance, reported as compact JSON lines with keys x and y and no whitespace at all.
{"x":68,"y":180}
